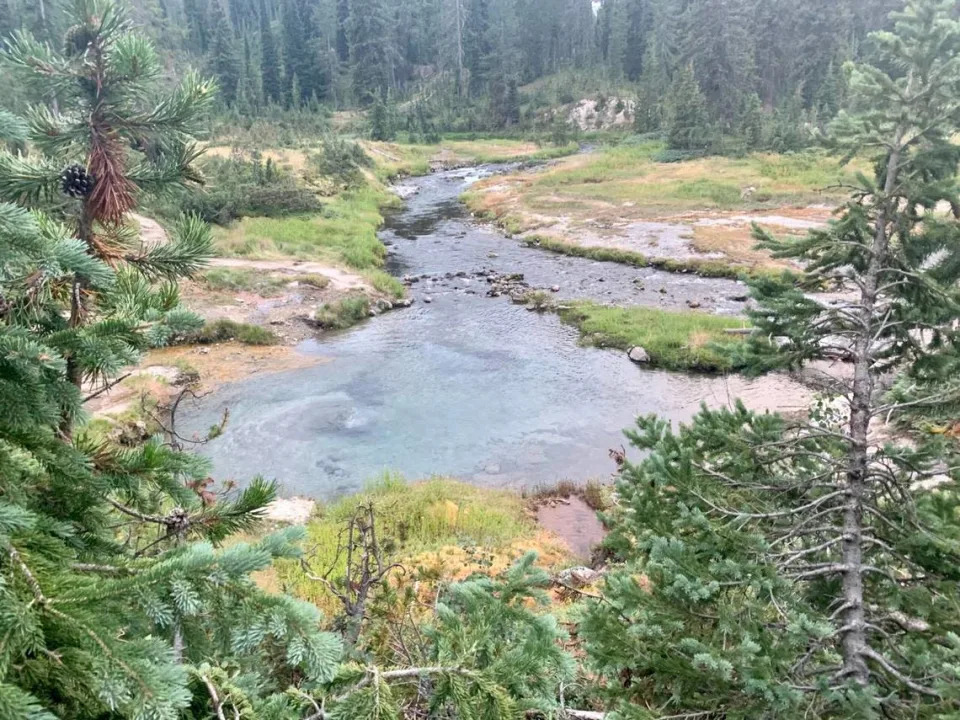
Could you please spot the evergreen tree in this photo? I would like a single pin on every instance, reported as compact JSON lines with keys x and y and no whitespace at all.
{"x":195,"y":12}
{"x":512,"y":103}
{"x":294,"y":52}
{"x":114,"y":601}
{"x":791,"y":569}
{"x":688,"y":124}
{"x":371,"y":49}
{"x":269,"y":60}
{"x":343,"y":30}
{"x":225,"y":60}
{"x":381,"y":121}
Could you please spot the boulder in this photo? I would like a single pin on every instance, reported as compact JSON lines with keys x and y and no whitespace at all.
{"x":578,"y":577}
{"x":638,"y":355}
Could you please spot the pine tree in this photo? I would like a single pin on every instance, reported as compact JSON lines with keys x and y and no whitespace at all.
{"x":371,"y":49}
{"x":269,"y":60}
{"x":225,"y":58}
{"x":512,"y":103}
{"x":381,"y":121}
{"x":114,"y":600}
{"x":343,"y":31}
{"x":806,"y":568}
{"x":688,"y":124}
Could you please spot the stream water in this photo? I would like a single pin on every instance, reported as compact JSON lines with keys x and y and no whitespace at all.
{"x":465,"y":385}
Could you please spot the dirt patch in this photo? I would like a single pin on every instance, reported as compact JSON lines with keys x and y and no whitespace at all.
{"x":574,"y":522}
{"x":164,"y":372}
{"x":290,"y":511}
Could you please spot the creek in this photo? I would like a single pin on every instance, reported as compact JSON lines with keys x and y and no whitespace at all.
{"x":462,"y":384}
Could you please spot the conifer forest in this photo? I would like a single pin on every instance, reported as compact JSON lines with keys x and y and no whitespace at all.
{"x":479,"y":359}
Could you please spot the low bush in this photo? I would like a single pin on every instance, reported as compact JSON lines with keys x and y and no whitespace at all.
{"x":342,"y":161}
{"x":241,"y":186}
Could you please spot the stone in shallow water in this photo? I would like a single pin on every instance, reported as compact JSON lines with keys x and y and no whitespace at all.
{"x":638,"y":355}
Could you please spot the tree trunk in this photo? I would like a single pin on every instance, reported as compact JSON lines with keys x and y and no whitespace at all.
{"x":854,"y":634}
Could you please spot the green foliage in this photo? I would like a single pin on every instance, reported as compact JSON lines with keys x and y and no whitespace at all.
{"x":112,"y":584}
{"x":344,"y":313}
{"x":238,"y":187}
{"x":381,"y":122}
{"x":345,"y":232}
{"x":342,"y":160}
{"x":224,"y":329}
{"x":688,"y":125}
{"x":807,"y":567}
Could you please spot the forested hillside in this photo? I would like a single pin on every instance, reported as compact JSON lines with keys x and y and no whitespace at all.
{"x":488,"y":64}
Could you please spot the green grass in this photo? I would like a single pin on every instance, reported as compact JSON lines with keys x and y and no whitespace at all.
{"x":412,"y":519}
{"x":344,"y":233}
{"x":625,"y":179}
{"x":224,"y":329}
{"x":386,"y":283}
{"x":704,"y":268}
{"x":674,"y":340}
{"x":344,"y":313}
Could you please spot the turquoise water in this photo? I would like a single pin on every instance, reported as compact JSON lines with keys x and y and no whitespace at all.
{"x":465,"y":385}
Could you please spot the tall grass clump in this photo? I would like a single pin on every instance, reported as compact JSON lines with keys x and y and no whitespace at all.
{"x":344,"y":313}
{"x":224,"y":329}
{"x":345,"y":232}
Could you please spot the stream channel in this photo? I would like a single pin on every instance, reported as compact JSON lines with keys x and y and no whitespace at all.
{"x":465,"y":385}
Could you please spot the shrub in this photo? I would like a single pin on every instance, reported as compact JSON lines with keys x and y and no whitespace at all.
{"x":342,"y":161}
{"x":240,"y":187}
{"x":224,"y":329}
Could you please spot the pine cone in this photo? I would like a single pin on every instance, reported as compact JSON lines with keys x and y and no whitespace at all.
{"x":76,"y":182}
{"x":77,"y":39}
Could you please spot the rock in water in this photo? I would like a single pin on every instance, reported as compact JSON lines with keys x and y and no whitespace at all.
{"x":638,"y":355}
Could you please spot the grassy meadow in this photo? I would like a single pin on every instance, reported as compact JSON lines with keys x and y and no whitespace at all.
{"x":600,"y":193}
{"x":629,"y":173}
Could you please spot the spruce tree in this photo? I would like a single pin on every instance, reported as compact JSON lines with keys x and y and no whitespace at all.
{"x":269,"y":60}
{"x":225,"y":59}
{"x":371,"y":49}
{"x":780,"y":568}
{"x":688,"y":123}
